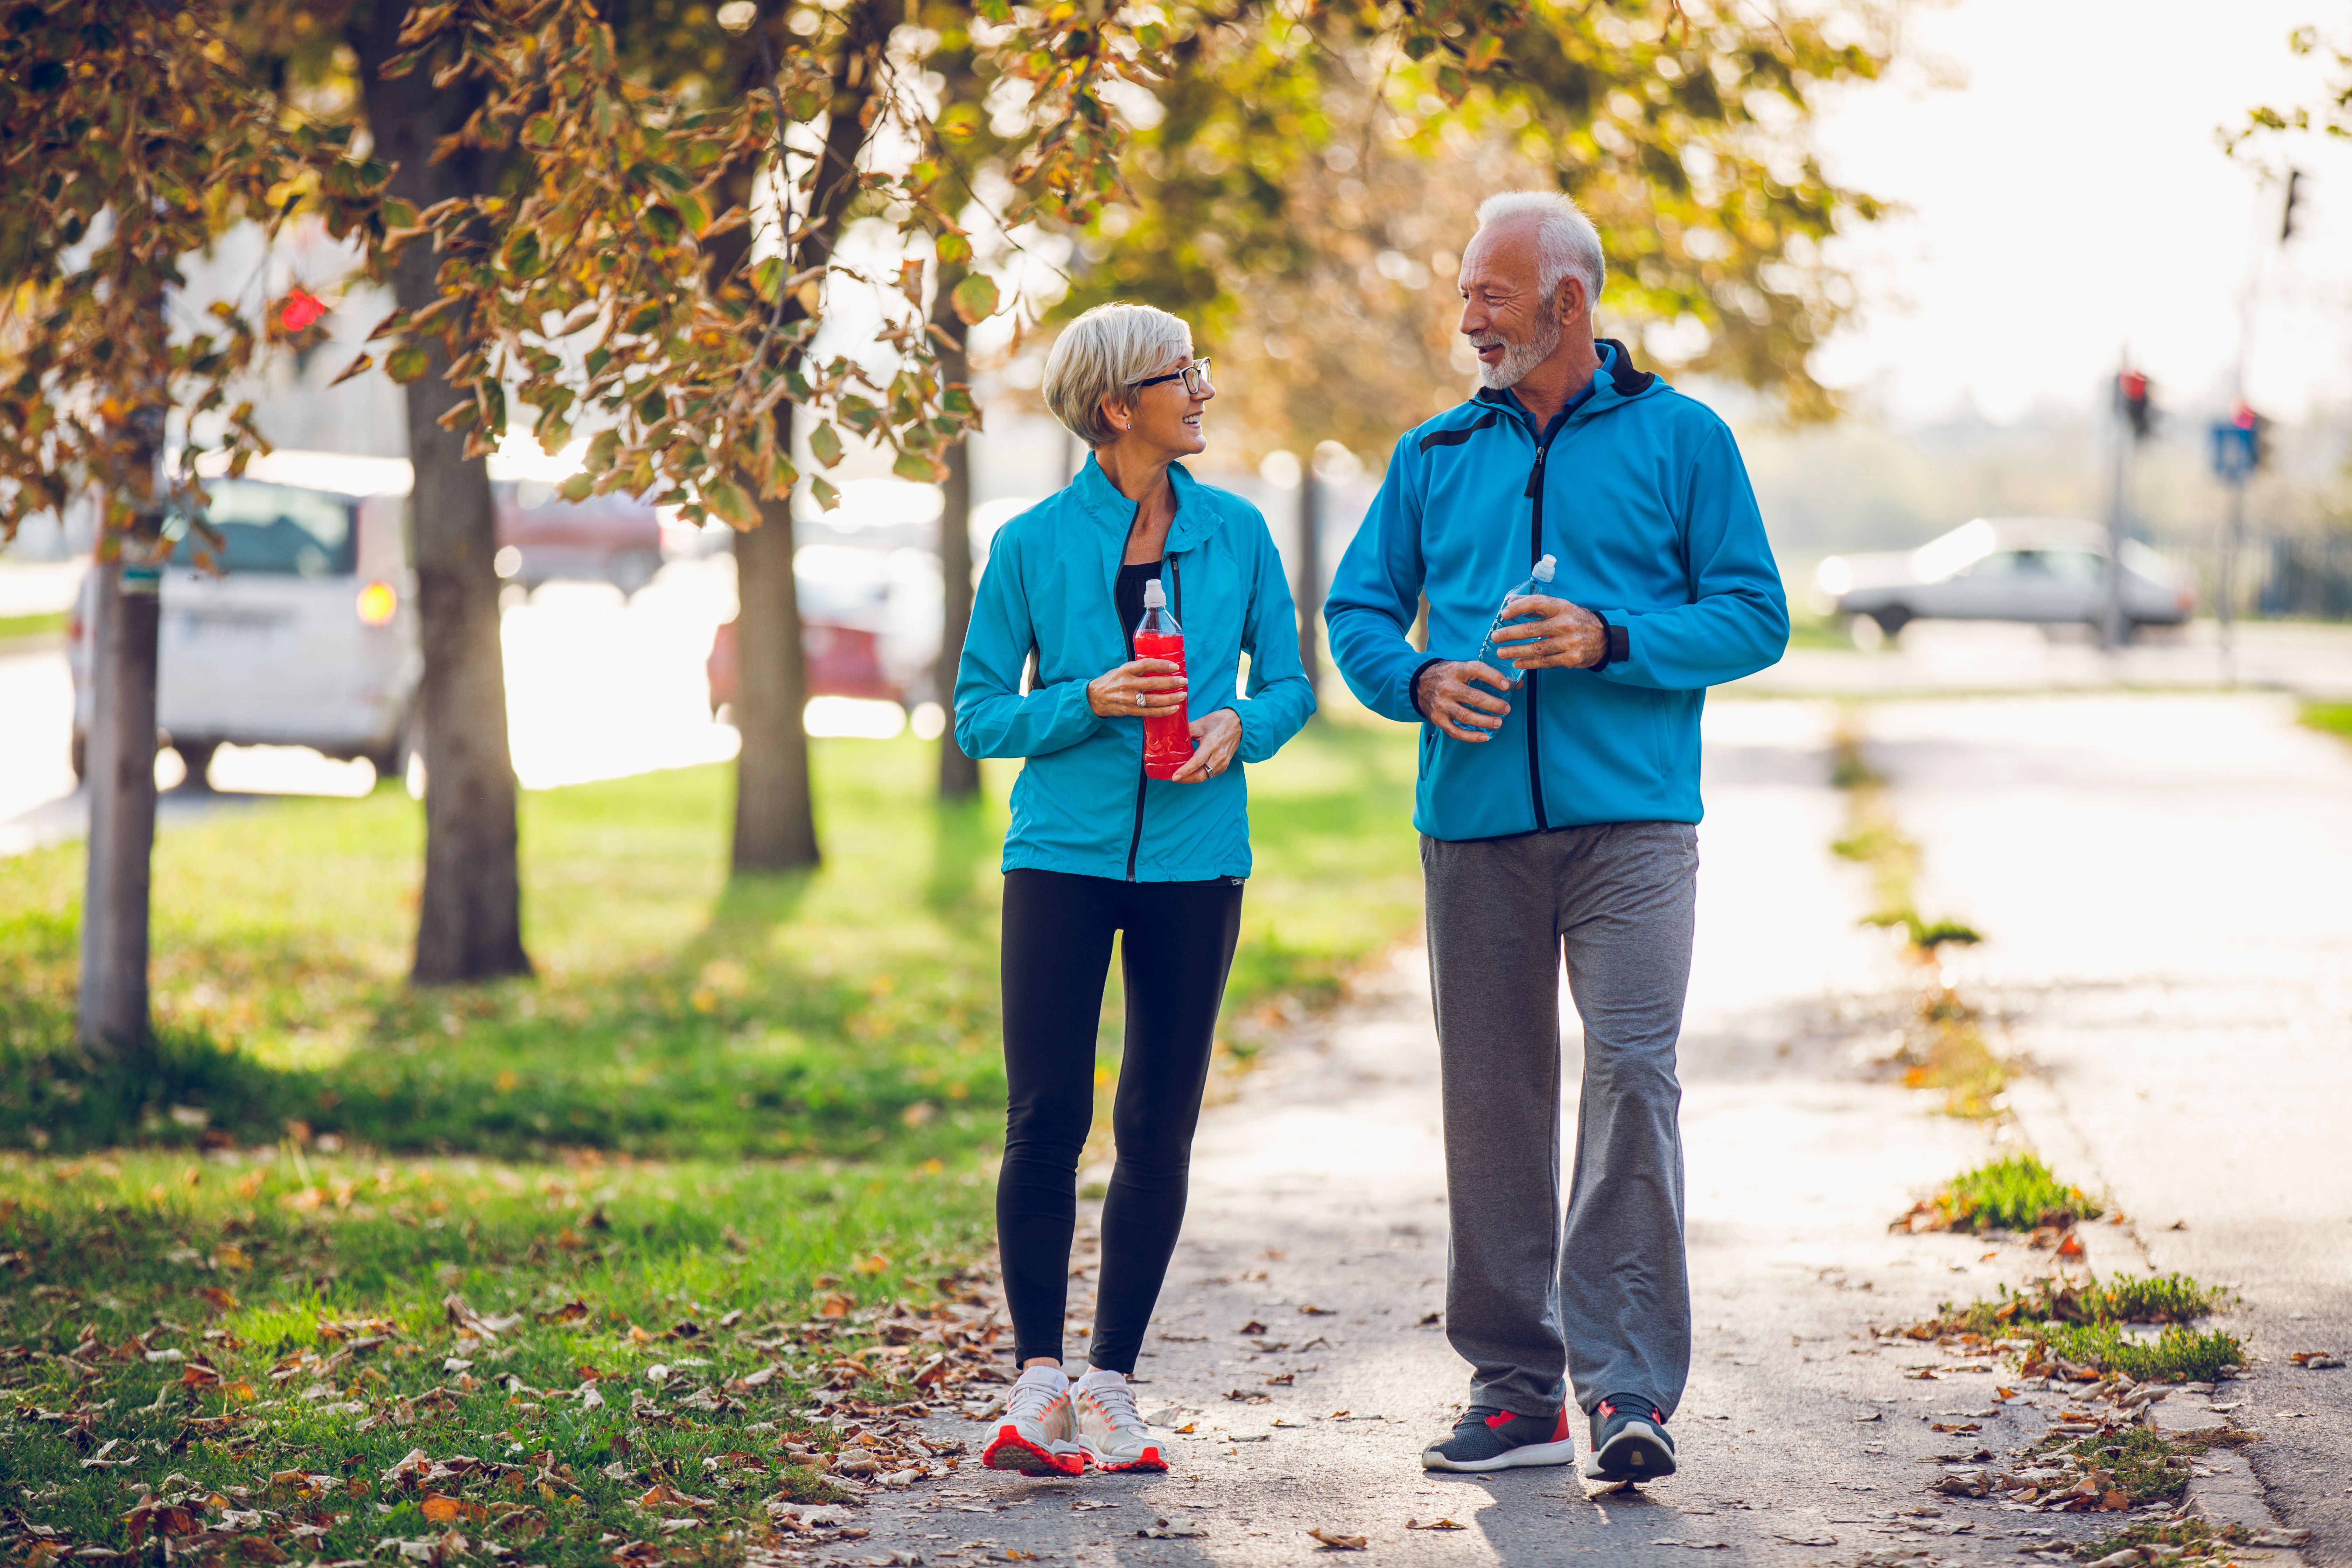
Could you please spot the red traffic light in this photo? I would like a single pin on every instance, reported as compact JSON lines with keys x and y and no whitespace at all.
{"x":2241,"y":414}
{"x":2134,"y":387}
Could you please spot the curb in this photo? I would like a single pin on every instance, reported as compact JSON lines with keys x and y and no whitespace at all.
{"x":2230,"y":1494}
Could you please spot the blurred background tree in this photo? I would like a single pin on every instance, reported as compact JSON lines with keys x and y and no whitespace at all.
{"x":1303,"y":186}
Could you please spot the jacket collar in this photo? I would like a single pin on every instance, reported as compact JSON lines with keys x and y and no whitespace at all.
{"x":1614,"y":381}
{"x":1103,"y":501}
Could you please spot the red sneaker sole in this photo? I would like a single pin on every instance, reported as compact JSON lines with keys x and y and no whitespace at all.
{"x":1009,"y":1451}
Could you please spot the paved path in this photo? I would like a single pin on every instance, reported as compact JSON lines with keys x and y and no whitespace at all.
{"x":1316,"y":1214}
{"x":2168,"y":882}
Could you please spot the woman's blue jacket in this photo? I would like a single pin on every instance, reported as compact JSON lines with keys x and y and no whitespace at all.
{"x":1082,"y":804}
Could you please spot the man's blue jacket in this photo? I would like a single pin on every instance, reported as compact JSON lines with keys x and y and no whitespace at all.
{"x":1082,"y":804}
{"x":1641,"y":496}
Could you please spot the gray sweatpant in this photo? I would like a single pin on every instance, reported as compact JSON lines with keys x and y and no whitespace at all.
{"x":1608,"y":1300}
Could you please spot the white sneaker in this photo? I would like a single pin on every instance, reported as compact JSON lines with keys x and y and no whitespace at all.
{"x":1034,"y":1435}
{"x":1109,"y":1430}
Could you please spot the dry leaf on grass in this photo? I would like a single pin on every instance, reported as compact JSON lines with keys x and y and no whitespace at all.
{"x":440,"y":1510}
{"x":1334,"y":1542}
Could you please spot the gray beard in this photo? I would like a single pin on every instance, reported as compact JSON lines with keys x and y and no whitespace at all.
{"x":1520,"y":358}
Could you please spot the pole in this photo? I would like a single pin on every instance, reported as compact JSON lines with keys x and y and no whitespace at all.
{"x":2225,"y":608}
{"x":2111,"y":600}
{"x":1310,"y":574}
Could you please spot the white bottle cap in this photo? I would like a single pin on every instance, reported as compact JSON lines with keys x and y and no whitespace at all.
{"x":1155,"y":597}
{"x":1543,"y":570}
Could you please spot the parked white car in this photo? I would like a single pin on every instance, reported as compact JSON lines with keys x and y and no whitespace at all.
{"x":2039,"y":569}
{"x":308,"y":637}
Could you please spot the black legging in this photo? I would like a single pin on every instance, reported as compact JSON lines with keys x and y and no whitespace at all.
{"x":1178,"y":946}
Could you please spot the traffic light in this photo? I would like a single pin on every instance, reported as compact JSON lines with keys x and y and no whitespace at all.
{"x":2132,"y":396}
{"x":2294,"y":195}
{"x":2241,"y":444}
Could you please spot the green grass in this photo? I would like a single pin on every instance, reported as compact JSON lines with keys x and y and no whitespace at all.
{"x":675,"y":1013}
{"x":776,"y":1097}
{"x":201,"y":1328}
{"x":2197,"y":1540}
{"x":2014,"y":1192}
{"x":2081,"y":1322}
{"x":42,"y":625}
{"x":2176,"y":1355}
{"x":2144,"y":1467}
{"x":2331,"y":718}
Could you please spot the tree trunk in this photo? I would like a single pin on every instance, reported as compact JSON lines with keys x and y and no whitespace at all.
{"x":111,"y":1021}
{"x":121,"y":769}
{"x":959,"y":774}
{"x":1310,"y":573}
{"x":775,"y":819}
{"x":775,"y":824}
{"x":469,"y":923}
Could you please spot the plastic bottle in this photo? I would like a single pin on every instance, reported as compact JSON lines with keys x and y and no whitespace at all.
{"x":1537,"y":582}
{"x":1167,"y":736}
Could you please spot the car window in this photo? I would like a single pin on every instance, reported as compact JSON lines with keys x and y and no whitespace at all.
{"x":278,"y":528}
{"x":2080,"y":564}
{"x":2000,"y":563}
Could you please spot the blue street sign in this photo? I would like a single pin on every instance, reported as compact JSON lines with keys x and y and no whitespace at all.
{"x":2234,"y":449}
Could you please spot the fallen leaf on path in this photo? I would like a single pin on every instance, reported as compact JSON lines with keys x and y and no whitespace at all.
{"x":2070,"y":1247}
{"x":1085,"y":1505}
{"x":2316,"y":1361}
{"x":1252,"y":1327}
{"x":1695,"y":1545}
{"x":1431,"y":1320}
{"x":1955,"y":1426}
{"x":1925,"y":1374}
{"x":1312,"y":1311}
{"x":1186,"y":1430}
{"x":1810,"y":1539}
{"x":1161,"y":1529}
{"x":1434,"y":1524}
{"x":1281,"y":1380}
{"x":1245,"y":1397}
{"x":1873,"y":1416}
{"x":1334,"y":1542}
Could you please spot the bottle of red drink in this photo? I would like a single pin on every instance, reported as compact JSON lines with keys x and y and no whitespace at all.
{"x":1167,"y":736}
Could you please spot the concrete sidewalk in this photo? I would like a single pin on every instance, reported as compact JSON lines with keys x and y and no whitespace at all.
{"x":1297,"y":1344}
{"x":2165,"y":882}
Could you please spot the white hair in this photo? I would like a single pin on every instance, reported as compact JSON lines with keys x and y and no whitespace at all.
{"x":1566,"y":242}
{"x":1100,"y":355}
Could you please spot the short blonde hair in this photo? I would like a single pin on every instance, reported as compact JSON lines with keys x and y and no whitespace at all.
{"x":1100,"y":355}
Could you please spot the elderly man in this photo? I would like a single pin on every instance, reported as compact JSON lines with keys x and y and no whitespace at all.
{"x":1558,"y":800}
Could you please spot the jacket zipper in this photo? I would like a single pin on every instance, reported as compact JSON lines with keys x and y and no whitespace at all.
{"x":1135,"y":844}
{"x":1534,"y":553}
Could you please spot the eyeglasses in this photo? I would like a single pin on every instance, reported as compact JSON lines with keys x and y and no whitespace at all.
{"x":1195,"y":377}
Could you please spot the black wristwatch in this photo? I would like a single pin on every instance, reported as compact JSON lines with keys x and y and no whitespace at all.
{"x":1614,"y":648}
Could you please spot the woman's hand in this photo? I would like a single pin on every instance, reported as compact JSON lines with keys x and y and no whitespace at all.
{"x":1138,"y":687}
{"x":1214,"y":737}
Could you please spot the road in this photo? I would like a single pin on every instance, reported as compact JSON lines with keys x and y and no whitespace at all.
{"x":595,"y":689}
{"x":1316,"y":1214}
{"x":2168,"y":884}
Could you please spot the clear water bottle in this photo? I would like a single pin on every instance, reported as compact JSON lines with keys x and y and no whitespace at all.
{"x":1538,"y":582}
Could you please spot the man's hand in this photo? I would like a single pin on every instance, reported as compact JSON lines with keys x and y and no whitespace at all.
{"x":1214,"y":737}
{"x":1561,"y":636}
{"x":1138,"y":687}
{"x":1449,"y":700}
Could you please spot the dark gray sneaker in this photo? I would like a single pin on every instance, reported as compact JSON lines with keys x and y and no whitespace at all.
{"x":1490,"y":1439}
{"x":1629,"y":1441}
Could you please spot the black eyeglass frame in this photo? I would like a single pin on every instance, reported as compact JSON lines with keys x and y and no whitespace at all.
{"x":1197,"y":371}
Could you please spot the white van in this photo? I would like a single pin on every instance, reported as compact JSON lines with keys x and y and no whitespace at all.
{"x":308,"y":637}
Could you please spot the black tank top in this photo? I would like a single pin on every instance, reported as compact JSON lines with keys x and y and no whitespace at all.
{"x":1128,"y":597}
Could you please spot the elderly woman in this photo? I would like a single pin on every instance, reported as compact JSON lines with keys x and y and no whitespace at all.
{"x":1097,"y":846}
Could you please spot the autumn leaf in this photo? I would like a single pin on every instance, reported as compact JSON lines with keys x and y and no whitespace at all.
{"x":834,"y":1306}
{"x":1334,"y":1542}
{"x":975,"y":298}
{"x":825,"y":444}
{"x":230,"y":1256}
{"x":1433,"y":1525}
{"x":732,"y":503}
{"x":365,"y":361}
{"x":441,"y":1509}
{"x":220,"y":1300}
{"x":405,"y":363}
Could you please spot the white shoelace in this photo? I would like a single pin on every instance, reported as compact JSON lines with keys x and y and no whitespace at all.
{"x":1029,"y":1398}
{"x":1117,"y":1401}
